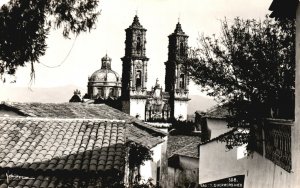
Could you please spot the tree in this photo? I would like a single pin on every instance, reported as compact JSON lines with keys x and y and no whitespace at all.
{"x":137,"y":156}
{"x":25,"y":25}
{"x":251,"y":68}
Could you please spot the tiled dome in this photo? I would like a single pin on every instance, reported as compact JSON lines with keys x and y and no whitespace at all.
{"x":105,"y":74}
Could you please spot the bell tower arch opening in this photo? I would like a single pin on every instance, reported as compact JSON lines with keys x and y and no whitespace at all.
{"x":182,"y":49}
{"x":181,"y":81}
{"x":138,"y":44}
{"x":138,"y":80}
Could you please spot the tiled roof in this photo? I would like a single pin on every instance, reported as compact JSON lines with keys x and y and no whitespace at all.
{"x":190,"y":150}
{"x":135,"y":133}
{"x":61,"y":145}
{"x":42,"y":181}
{"x":140,"y":132}
{"x":218,"y":111}
{"x":231,"y":131}
{"x":67,"y":110}
{"x":178,"y":142}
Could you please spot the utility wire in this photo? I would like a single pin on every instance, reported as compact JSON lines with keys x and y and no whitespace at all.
{"x":64,"y":60}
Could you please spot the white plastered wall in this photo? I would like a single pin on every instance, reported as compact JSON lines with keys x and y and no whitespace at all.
{"x":137,"y":107}
{"x":180,"y":109}
{"x":149,"y":169}
{"x":213,"y":157}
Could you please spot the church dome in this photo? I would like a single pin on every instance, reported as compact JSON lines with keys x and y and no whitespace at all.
{"x":105,"y":74}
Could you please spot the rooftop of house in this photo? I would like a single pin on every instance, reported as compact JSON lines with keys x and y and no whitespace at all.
{"x":282,"y":9}
{"x":43,"y":181}
{"x":182,"y":145}
{"x":66,"y":110}
{"x":216,"y":112}
{"x":136,"y":130}
{"x":43,"y":146}
{"x":229,"y":132}
{"x":190,"y":150}
{"x":185,"y":145}
{"x":48,"y":144}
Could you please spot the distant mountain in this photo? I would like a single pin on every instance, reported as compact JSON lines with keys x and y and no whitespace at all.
{"x":45,"y":95}
{"x":198,"y":102}
{"x":64,"y":93}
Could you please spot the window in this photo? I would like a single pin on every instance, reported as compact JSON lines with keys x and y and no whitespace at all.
{"x":157,"y":175}
{"x":100,"y":92}
{"x":181,"y":81}
{"x":138,"y":44}
{"x":111,"y":92}
{"x":138,"y":79}
{"x":182,"y":51}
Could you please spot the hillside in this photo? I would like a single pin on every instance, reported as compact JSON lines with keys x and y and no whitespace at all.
{"x":198,"y":102}
{"x":64,"y":93}
{"x":45,"y":95}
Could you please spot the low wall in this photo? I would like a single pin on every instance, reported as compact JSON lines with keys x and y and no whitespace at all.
{"x":262,"y":173}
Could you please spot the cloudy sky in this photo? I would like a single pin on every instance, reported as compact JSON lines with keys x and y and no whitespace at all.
{"x":159,"y":17}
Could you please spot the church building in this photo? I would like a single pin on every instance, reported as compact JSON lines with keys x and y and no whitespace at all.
{"x":155,"y":104}
{"x":104,"y":83}
{"x":131,"y":91}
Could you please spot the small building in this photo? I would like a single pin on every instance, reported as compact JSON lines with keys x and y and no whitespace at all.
{"x":213,"y":153}
{"x":213,"y":122}
{"x":217,"y":162}
{"x":183,"y":160}
{"x":268,"y":166}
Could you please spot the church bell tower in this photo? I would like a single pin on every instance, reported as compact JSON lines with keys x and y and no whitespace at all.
{"x":134,"y":73}
{"x":176,"y":78}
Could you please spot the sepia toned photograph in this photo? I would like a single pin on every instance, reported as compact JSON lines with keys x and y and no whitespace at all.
{"x":149,"y":94}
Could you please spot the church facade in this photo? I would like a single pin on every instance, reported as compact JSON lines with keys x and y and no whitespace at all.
{"x":157,"y":104}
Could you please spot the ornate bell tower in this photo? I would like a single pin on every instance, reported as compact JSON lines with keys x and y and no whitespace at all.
{"x":134,"y":74}
{"x":177,"y":79}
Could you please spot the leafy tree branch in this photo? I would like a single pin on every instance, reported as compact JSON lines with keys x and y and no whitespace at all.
{"x":251,"y":67}
{"x":25,"y":26}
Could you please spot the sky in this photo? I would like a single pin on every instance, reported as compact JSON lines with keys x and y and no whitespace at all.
{"x":80,"y":57}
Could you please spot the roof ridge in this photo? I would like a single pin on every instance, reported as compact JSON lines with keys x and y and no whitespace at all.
{"x":117,"y":115}
{"x":64,"y":119}
{"x":218,"y":137}
{"x":149,"y":127}
{"x":179,"y":151}
{"x":68,"y":103}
